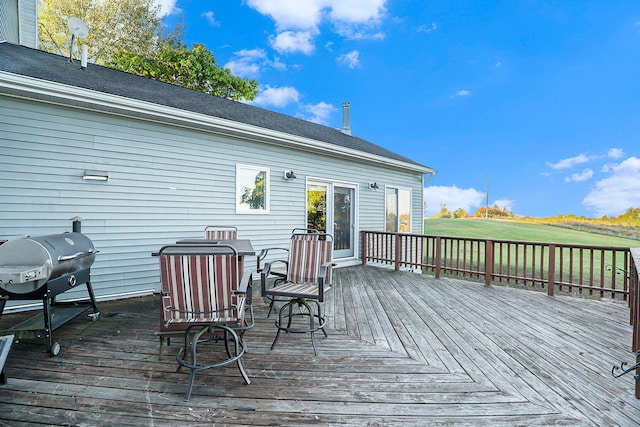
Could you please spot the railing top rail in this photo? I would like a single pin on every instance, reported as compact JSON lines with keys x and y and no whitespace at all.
{"x":477,"y":239}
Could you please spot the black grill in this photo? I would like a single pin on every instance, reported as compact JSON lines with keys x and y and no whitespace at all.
{"x":40,"y":268}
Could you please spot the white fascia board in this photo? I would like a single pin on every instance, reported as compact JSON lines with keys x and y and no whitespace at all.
{"x":93,"y":100}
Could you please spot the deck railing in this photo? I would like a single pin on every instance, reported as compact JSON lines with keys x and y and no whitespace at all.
{"x":634,"y":303}
{"x":581,"y":269}
{"x":602,"y":271}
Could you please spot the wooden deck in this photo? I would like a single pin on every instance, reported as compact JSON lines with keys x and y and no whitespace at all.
{"x":460,"y":354}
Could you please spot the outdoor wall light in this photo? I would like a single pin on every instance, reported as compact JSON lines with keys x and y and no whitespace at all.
{"x":289,"y":175}
{"x":95,"y":175}
{"x":373,"y":185}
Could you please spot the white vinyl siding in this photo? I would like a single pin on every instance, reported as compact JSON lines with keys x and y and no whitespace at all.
{"x":165,"y":183}
{"x":19,"y":22}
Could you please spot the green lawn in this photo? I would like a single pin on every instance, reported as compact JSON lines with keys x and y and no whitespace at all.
{"x":521,"y":231}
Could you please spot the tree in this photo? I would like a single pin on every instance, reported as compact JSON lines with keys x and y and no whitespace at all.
{"x":127,"y":35}
{"x":317,"y":209}
{"x":444,"y":212}
{"x":255,"y":196}
{"x":129,"y":25}
{"x":190,"y":68}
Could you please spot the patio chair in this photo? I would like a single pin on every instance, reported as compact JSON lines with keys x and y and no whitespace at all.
{"x":205,"y":293}
{"x":308,"y":277}
{"x":221,"y":232}
{"x":279,"y":270}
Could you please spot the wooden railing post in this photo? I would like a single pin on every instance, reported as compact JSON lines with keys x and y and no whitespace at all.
{"x":488,"y":261}
{"x":551,"y":277}
{"x":635,"y":312}
{"x":398,"y":251}
{"x":438,"y":254}
{"x":363,"y":238}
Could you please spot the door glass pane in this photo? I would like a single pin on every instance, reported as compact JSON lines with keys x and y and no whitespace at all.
{"x":317,"y":207}
{"x":342,"y":217}
{"x":404,"y":210}
{"x":391,"y":210}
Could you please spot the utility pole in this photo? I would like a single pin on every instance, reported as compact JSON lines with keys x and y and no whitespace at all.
{"x":486,"y":211}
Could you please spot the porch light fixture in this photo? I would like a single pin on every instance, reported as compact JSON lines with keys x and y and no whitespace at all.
{"x":289,"y":175}
{"x":92,"y":175}
{"x":373,"y":185}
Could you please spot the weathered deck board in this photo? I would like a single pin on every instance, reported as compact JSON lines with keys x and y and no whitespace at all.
{"x":403,"y":349}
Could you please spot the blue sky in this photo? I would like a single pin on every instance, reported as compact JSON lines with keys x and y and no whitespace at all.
{"x":536,"y":101}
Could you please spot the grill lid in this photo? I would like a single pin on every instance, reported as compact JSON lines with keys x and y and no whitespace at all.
{"x":34,"y":260}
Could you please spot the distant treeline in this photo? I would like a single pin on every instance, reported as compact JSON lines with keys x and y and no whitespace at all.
{"x":493,"y":212}
{"x":631,"y":218}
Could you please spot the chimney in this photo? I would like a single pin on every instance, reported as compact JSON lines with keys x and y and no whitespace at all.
{"x":346,"y":118}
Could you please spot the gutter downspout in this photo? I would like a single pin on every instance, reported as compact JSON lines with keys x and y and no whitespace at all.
{"x":430,"y":176}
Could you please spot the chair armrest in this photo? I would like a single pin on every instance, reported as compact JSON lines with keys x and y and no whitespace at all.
{"x":265,"y":273}
{"x":245,"y":282}
{"x":322,"y":277}
{"x":324,"y":269}
{"x":245,"y":285}
{"x":263,"y":254}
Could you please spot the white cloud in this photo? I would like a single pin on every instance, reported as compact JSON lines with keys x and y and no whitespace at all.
{"x":453,"y":197}
{"x":277,"y":96}
{"x":351,"y":33}
{"x":579,"y":177}
{"x":615,"y":153}
{"x":293,"y":41}
{"x":462,"y":92}
{"x":614,"y":195}
{"x":209,"y":16}
{"x":356,"y":11}
{"x":250,"y":62}
{"x":167,"y":7}
{"x":320,"y":112}
{"x":427,"y":28}
{"x":351,"y":59}
{"x":570,"y":162}
{"x":247,"y":62}
{"x":307,"y":15}
{"x":291,"y":14}
{"x":298,"y":22}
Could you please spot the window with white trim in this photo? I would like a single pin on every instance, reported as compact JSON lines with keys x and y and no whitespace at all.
{"x":252,"y":189}
{"x":397,"y":210}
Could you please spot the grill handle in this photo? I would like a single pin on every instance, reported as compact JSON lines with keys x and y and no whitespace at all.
{"x":76,"y":255}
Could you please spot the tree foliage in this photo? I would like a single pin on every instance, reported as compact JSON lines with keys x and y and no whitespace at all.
{"x":493,"y":212}
{"x":128,"y":35}
{"x":129,"y":25}
{"x":317,"y":209}
{"x":190,"y":68}
{"x":254,"y":196}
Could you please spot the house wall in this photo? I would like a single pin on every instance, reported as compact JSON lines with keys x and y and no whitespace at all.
{"x":19,"y":22}
{"x":165,"y":183}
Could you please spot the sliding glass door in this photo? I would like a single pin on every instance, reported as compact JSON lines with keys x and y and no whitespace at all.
{"x":331,"y":209}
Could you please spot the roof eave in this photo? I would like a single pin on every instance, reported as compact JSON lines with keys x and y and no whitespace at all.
{"x":57,"y":93}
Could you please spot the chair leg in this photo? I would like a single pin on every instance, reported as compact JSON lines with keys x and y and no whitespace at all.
{"x":287,"y":311}
{"x":190,"y":352}
{"x":321,"y":319}
{"x":194,"y":365}
{"x":271,"y":307}
{"x":241,"y":348}
{"x":311,"y":328}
